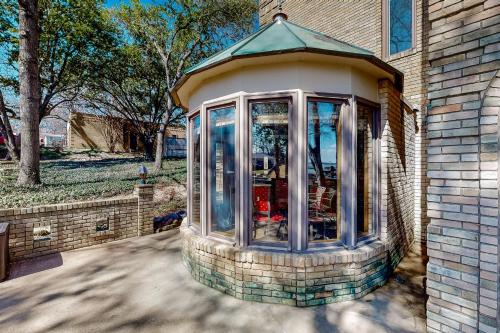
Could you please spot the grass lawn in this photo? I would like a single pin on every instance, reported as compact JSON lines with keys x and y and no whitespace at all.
{"x":81,"y":178}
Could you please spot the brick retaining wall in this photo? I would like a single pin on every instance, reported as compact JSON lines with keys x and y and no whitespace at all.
{"x":73,"y":225}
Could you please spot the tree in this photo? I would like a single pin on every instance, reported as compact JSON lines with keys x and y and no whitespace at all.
{"x":29,"y":91}
{"x":74,"y":37}
{"x":132,"y":87}
{"x":183,"y":32}
{"x":6,"y":129}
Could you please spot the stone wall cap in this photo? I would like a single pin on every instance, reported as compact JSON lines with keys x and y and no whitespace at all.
{"x":65,"y":206}
{"x":144,"y":185}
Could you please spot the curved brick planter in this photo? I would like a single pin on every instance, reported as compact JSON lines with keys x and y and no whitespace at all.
{"x":304,"y":279}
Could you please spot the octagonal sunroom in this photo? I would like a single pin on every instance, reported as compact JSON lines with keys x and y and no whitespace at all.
{"x":288,"y":167}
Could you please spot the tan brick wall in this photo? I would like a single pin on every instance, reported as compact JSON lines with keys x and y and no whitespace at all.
{"x":73,"y":225}
{"x":361,"y":23}
{"x":87,"y":131}
{"x":398,"y":168}
{"x":463,"y":270}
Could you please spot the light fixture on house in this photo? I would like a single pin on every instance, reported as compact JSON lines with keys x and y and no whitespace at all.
{"x":279,"y":16}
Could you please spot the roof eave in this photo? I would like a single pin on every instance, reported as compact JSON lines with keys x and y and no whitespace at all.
{"x":398,"y":76}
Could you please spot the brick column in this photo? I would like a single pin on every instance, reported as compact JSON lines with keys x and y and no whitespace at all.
{"x":397,"y":155}
{"x":463,"y":270}
{"x":144,"y":209}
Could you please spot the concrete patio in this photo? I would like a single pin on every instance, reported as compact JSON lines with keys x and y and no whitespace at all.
{"x":140,"y":285}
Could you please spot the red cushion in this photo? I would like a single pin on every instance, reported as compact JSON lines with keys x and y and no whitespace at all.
{"x":277,"y":218}
{"x":260,"y":218}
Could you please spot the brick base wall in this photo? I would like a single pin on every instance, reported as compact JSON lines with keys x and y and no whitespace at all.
{"x":285,"y":278}
{"x":75,"y":225}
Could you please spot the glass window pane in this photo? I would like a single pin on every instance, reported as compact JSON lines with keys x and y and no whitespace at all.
{"x":196,"y":160}
{"x":222,"y":171}
{"x":400,"y":25}
{"x":270,"y":171}
{"x":364,"y":170}
{"x":323,"y":134}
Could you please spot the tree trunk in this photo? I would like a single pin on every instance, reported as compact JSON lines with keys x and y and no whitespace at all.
{"x":6,"y":131}
{"x":161,"y":134}
{"x":315,"y":153}
{"x":29,"y":92}
{"x":147,"y":142}
{"x":159,"y":147}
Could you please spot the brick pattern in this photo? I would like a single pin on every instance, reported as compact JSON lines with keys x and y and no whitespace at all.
{"x":329,"y":275}
{"x":397,"y":164}
{"x":285,"y":278}
{"x":360,"y":23}
{"x":145,"y":208}
{"x":73,"y":225}
{"x":464,"y":94}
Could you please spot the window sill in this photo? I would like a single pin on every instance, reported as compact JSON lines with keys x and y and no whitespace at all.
{"x":401,"y":55}
{"x":336,"y":253}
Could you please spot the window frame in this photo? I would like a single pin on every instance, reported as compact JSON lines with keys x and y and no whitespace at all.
{"x":386,"y":32}
{"x":304,"y":137}
{"x":375,"y":172}
{"x":206,"y":108}
{"x":190,"y":176}
{"x":297,"y":171}
{"x":291,"y":99}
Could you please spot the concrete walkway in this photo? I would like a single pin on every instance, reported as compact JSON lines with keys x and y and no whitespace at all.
{"x":140,"y":285}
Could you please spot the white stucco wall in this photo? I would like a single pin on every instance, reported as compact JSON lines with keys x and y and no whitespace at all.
{"x":306,"y":76}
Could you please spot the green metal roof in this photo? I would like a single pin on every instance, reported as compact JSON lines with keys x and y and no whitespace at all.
{"x":281,"y":36}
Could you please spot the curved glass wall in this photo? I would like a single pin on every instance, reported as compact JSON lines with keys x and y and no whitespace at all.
{"x":268,"y":186}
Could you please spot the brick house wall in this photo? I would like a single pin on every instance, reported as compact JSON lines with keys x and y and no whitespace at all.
{"x":464,"y":96}
{"x":88,"y":131}
{"x":74,"y":225}
{"x":397,"y":181}
{"x":361,"y":23}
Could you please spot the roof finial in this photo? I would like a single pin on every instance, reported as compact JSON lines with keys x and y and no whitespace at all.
{"x":280,"y":15}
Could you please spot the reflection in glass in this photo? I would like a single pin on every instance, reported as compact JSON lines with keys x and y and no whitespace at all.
{"x":364,"y":163}
{"x":196,"y":148}
{"x":322,"y":137}
{"x":270,"y":171}
{"x":222,"y":171}
{"x":400,"y":25}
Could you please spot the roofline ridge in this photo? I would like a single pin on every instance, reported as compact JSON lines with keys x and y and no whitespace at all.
{"x":293,"y":33}
{"x":252,"y":37}
{"x":335,"y":39}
